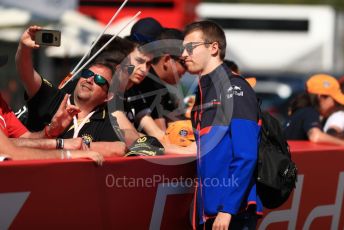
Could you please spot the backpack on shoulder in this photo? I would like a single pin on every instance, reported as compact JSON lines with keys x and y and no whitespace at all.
{"x":276,"y":172}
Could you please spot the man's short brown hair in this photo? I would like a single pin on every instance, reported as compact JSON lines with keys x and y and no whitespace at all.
{"x":212,"y":33}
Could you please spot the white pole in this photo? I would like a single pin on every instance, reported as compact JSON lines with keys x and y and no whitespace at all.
{"x":95,"y":42}
{"x":101,"y":49}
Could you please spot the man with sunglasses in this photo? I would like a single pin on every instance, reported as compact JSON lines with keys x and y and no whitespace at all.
{"x":20,"y":147}
{"x":137,"y":107}
{"x":167,"y":69}
{"x":159,"y":89}
{"x":90,"y":95}
{"x":124,"y":107}
{"x":149,"y":96}
{"x":129,"y":100}
{"x":225,"y":116}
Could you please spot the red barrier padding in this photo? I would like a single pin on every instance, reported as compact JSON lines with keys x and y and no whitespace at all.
{"x":155,"y":192}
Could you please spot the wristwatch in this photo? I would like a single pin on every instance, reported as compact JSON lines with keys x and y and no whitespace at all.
{"x":86,"y":142}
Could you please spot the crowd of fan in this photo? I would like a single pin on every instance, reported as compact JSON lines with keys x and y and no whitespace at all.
{"x":121,"y":99}
{"x":118,"y":98}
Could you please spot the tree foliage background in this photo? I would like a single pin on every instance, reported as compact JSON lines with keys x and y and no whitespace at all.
{"x":337,"y":4}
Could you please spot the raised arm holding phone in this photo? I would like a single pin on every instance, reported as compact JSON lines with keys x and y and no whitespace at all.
{"x":90,"y":96}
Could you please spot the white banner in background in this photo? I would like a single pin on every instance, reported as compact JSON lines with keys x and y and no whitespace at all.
{"x":51,"y":10}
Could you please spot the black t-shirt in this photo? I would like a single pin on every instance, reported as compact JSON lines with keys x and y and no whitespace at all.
{"x":45,"y":103}
{"x":150,"y":97}
{"x":154,"y":94}
{"x":22,"y":113}
{"x":132,"y":103}
{"x":301,"y":122}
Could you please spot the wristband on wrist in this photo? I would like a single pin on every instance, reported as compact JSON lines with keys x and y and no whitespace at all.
{"x":59,"y":143}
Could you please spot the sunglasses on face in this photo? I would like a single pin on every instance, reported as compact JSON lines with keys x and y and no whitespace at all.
{"x":179,"y":60}
{"x":98,"y":79}
{"x":189,"y":47}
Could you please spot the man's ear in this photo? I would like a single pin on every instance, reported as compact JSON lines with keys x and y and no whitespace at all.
{"x":166,"y":61}
{"x":109,"y":96}
{"x":215,"y":49}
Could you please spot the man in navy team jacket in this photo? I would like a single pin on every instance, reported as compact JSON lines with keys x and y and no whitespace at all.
{"x":225,"y":116}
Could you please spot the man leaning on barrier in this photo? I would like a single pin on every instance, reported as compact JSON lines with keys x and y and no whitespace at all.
{"x":127,"y":78}
{"x":24,"y":149}
{"x":166,"y":70}
{"x":90,"y":96}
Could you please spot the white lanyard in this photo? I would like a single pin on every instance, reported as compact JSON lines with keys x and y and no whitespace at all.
{"x":77,"y":127}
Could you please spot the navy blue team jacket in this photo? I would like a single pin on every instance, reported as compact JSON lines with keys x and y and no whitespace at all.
{"x":225,"y":116}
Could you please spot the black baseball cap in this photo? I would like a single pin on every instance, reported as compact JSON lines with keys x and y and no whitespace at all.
{"x":3,"y":59}
{"x":145,"y":30}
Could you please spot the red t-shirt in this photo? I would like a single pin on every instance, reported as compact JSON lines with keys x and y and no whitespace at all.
{"x":9,"y":123}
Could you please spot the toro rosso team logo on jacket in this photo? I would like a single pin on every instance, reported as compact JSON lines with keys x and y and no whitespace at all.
{"x":234,"y":90}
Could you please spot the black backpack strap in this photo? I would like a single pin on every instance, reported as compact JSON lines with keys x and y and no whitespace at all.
{"x":259,"y":104}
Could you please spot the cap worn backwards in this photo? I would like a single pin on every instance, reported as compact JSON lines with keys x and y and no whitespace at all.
{"x":145,"y":30}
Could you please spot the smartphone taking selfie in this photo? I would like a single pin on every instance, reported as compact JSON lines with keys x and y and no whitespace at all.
{"x":48,"y":37}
